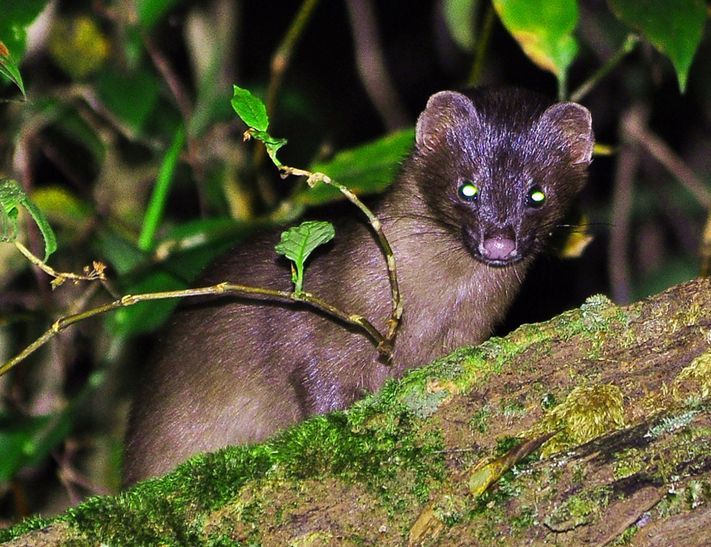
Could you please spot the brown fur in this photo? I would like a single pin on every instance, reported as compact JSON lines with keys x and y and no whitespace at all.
{"x":232,"y":371}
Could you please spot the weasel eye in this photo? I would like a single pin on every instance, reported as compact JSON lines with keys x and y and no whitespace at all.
{"x":468,"y":191}
{"x":536,"y":197}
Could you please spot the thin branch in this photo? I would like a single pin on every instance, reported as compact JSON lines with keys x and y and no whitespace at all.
{"x":671,"y":161}
{"x":179,"y":92}
{"x":482,"y":46}
{"x":625,"y":170}
{"x":385,"y":346}
{"x":278,"y":66}
{"x":220,"y":289}
{"x":371,"y":64}
{"x":705,"y":249}
{"x":628,"y":46}
{"x":91,"y":274}
{"x":282,"y":55}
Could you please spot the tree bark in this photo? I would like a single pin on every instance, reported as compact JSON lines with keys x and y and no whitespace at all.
{"x":590,"y":429}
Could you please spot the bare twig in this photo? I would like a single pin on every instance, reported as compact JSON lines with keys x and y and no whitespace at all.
{"x":91,"y":274}
{"x":180,"y":94}
{"x":628,"y":46}
{"x":385,"y":346}
{"x":705,"y":249}
{"x":625,"y":170}
{"x":220,"y":289}
{"x":282,"y":55}
{"x":671,"y":161}
{"x":371,"y":65}
{"x":278,"y":66}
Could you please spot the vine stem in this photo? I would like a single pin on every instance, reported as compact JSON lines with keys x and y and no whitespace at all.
{"x":97,"y":271}
{"x":220,"y":289}
{"x":627,"y":46}
{"x":385,"y":346}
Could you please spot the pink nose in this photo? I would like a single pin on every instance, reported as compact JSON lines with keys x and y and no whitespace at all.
{"x":497,"y":248}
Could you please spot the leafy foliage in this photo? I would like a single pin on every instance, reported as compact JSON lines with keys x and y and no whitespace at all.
{"x":674,"y":30}
{"x":299,"y":242}
{"x":128,"y":145}
{"x":12,"y":198}
{"x":16,"y":17}
{"x":544,"y":30}
{"x":9,"y":69}
{"x":253,"y":113}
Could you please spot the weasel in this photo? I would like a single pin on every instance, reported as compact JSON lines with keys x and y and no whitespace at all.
{"x":491,"y":173}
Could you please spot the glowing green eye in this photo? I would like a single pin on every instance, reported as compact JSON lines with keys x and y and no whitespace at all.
{"x":468,"y":191}
{"x":536,"y":197}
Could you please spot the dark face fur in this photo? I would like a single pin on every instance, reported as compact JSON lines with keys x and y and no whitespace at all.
{"x":508,"y":165}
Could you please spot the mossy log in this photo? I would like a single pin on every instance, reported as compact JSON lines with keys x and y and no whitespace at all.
{"x":591,"y":428}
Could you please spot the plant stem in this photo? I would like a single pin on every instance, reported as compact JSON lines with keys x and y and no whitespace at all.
{"x":629,"y":44}
{"x":156,"y":206}
{"x":96,"y":273}
{"x":282,"y":55}
{"x":220,"y":289}
{"x":482,"y":45}
{"x":385,"y":346}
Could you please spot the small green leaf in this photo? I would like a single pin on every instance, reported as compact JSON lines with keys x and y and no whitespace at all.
{"x":299,"y":242}
{"x":9,"y":68}
{"x":50,"y":241}
{"x":674,"y":29}
{"x":544,"y":30}
{"x":12,"y":197}
{"x":272,"y":144}
{"x":250,"y":109}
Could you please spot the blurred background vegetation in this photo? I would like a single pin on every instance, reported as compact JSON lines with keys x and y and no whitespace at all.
{"x":127,"y":143}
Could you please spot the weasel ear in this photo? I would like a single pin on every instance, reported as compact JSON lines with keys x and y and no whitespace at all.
{"x":444,"y":110}
{"x":572,"y":123}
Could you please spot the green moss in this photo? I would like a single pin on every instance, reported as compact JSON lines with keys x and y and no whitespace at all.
{"x":526,"y":518}
{"x":579,"y":509}
{"x":480,"y":419}
{"x":313,"y":539}
{"x":450,"y":509}
{"x":587,"y":413}
{"x":671,"y":423}
{"x":27,"y":525}
{"x":512,"y":409}
{"x":627,"y":536}
{"x":698,"y":375}
{"x":628,"y":463}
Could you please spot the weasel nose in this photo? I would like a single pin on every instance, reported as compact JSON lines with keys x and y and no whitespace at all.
{"x":497,"y":248}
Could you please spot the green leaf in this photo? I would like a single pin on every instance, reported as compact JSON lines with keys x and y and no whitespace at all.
{"x":151,"y":11}
{"x":674,"y":29}
{"x":15,"y":17}
{"x":460,"y":16}
{"x":12,"y":197}
{"x":544,"y":30}
{"x":63,"y":207}
{"x":9,"y":69}
{"x":365,"y":169}
{"x":272,"y":144}
{"x":50,"y":241}
{"x":26,"y":441}
{"x":132,"y":96}
{"x":250,"y":109}
{"x":299,"y":242}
